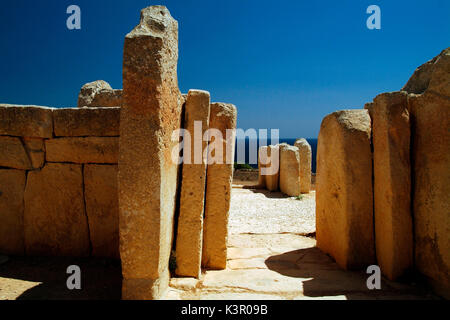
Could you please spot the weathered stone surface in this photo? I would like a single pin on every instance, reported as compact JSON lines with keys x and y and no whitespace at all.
{"x":272,"y":180}
{"x":55,"y":220}
{"x":392,"y":183}
{"x":148,"y":176}
{"x":79,"y":122}
{"x":262,"y":163}
{"x":102,"y":208}
{"x":344,"y":197}
{"x":218,"y":191}
{"x":35,"y":148}
{"x":90,"y":90}
{"x":12,"y":186}
{"x":26,"y":121}
{"x":190,"y":222}
{"x":431,"y":174}
{"x":83,"y":150}
{"x":13,"y":154}
{"x":305,"y":164}
{"x":107,"y":98}
{"x":289,"y":170}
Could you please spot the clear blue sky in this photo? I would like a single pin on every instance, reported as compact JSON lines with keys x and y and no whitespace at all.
{"x":284,"y":64}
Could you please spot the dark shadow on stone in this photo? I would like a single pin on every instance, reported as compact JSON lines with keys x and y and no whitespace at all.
{"x":101,"y":279}
{"x":327,"y":279}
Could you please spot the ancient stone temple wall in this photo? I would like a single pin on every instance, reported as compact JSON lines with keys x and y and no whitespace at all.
{"x":406,"y":151}
{"x":58,"y":184}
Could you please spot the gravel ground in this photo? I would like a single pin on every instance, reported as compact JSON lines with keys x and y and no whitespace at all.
{"x":260,"y":211}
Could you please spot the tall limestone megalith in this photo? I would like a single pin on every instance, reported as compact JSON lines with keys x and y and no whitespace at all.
{"x":262,"y":163}
{"x":218,"y":187}
{"x":344,"y":197}
{"x":392,"y":183}
{"x":289,"y":170}
{"x":151,"y":111}
{"x":272,"y":179}
{"x":190,"y":221}
{"x":429,"y":105}
{"x":305,"y":164}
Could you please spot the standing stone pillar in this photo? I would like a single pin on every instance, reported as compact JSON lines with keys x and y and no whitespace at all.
{"x":392,"y":183}
{"x":190,"y":221}
{"x":218,"y":190}
{"x":273,"y":178}
{"x":147,"y":176}
{"x":289,"y":170}
{"x":344,"y":197}
{"x":305,"y":164}
{"x":262,"y":163}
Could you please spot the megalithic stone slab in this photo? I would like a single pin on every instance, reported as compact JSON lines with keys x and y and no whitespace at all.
{"x":262,"y":163}
{"x":148,"y":175}
{"x":55,"y":220}
{"x":273,"y":178}
{"x":12,"y":186}
{"x":190,"y":222}
{"x":218,"y":191}
{"x":392,"y":183}
{"x":289,"y":170}
{"x":305,"y":164}
{"x":344,"y":196}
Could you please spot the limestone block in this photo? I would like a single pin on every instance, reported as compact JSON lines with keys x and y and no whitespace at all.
{"x":272,"y":180}
{"x":148,"y":176}
{"x":289,"y":170}
{"x":190,"y":222}
{"x":102,"y":208}
{"x":79,"y":122}
{"x":83,"y":150}
{"x":12,"y":186}
{"x":35,"y":148}
{"x":218,"y":190}
{"x":262,"y":163}
{"x":90,"y":90}
{"x":344,"y":196}
{"x":13,"y":153}
{"x":431,"y":175}
{"x":55,"y":221}
{"x":107,"y":98}
{"x":26,"y":121}
{"x":392,"y":183}
{"x":305,"y":164}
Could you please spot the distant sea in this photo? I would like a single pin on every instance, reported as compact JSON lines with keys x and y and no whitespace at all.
{"x":290,"y":141}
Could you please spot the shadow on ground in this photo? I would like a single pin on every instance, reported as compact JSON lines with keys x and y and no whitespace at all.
{"x":323,"y":278}
{"x":45,"y":279}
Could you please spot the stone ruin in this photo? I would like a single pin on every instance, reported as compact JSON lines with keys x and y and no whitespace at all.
{"x":99,"y":180}
{"x":291,"y":168}
{"x":383,"y":180}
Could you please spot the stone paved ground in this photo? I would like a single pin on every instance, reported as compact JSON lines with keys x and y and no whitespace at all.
{"x":278,"y":262}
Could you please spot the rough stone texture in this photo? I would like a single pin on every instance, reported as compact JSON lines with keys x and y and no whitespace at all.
{"x":430,"y":114}
{"x":151,"y":111}
{"x":289,"y":170}
{"x":344,"y":197}
{"x":305,"y":164}
{"x":26,"y":121}
{"x":12,"y":186}
{"x":13,"y":153}
{"x":102,"y":208}
{"x":101,"y":122}
{"x":55,"y":220}
{"x":83,"y":150}
{"x":218,"y":191}
{"x":35,"y":148}
{"x":272,"y":180}
{"x":262,"y":163}
{"x":90,"y":90}
{"x":190,"y":222}
{"x":392,"y":183}
{"x":107,"y":98}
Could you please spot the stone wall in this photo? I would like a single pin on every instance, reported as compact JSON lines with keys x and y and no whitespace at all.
{"x":58,"y":185}
{"x":407,"y":154}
